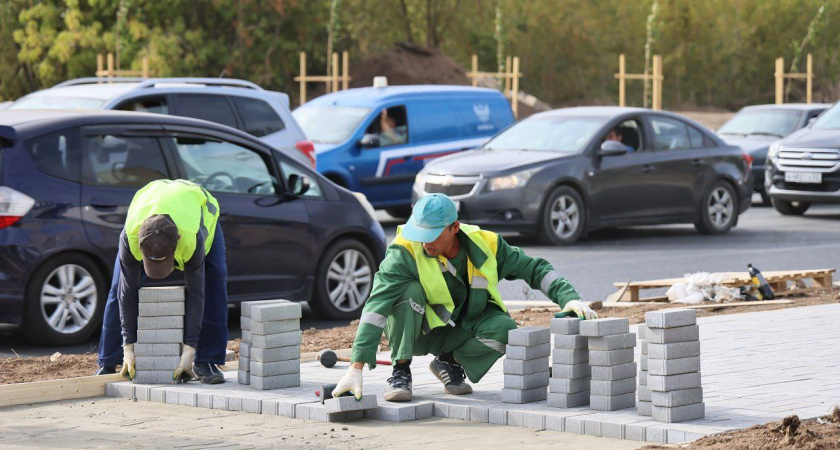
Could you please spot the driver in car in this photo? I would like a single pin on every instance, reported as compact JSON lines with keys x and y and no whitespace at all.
{"x":616,"y":135}
{"x":171,"y":224}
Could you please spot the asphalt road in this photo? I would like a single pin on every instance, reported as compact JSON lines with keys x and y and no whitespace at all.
{"x":763,"y":237}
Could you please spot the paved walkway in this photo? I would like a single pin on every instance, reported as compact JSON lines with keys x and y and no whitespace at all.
{"x":756,"y":367}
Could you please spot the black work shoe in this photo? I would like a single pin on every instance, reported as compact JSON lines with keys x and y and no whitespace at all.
{"x":399,"y":387}
{"x":452,"y":376}
{"x":208,"y":373}
{"x":106,"y":370}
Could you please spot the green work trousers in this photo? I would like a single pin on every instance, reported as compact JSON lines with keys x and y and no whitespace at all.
{"x":476,"y":344}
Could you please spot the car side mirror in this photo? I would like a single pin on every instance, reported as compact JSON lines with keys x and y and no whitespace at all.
{"x":298,"y":184}
{"x":811,"y":121}
{"x":370,"y":141}
{"x":612,"y":148}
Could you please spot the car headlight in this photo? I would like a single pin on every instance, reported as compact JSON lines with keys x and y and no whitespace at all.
{"x":773,"y":152}
{"x":512,"y":181}
{"x":419,"y":182}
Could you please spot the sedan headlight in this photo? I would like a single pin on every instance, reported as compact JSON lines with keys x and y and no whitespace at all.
{"x":419,"y":182}
{"x":773,"y":152}
{"x":512,"y":181}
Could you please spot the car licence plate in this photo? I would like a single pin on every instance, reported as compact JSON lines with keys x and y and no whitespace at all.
{"x":803,"y":177}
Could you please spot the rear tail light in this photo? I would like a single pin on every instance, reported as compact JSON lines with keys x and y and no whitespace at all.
{"x":308,"y":149}
{"x":13,"y":206}
{"x":748,"y":159}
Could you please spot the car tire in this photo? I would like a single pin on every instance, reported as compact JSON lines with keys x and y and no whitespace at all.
{"x":343,"y":267}
{"x":399,"y":212}
{"x":790,"y":208}
{"x":563,"y":217}
{"x":718,"y":211}
{"x":65,"y":301}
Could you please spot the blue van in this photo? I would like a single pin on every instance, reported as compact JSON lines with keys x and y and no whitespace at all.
{"x":374,"y":140}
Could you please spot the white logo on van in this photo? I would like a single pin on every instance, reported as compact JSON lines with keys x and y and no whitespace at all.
{"x":482,"y":112}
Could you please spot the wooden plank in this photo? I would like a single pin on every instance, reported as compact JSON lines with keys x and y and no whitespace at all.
{"x":54,"y":390}
{"x":733,"y":304}
{"x":733,"y":278}
{"x":617,"y":296}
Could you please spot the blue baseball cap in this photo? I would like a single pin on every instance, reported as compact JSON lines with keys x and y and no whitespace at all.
{"x":431,"y":214}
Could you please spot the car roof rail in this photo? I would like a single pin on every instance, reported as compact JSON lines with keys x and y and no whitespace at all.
{"x":98,"y":80}
{"x":217,"y":82}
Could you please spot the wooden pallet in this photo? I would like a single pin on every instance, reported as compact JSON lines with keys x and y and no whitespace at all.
{"x":778,"y":280}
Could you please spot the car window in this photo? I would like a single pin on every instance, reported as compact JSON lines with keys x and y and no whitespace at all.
{"x":57,"y":154}
{"x":628,"y":133}
{"x":289,"y":169}
{"x":258,"y":117}
{"x":156,"y":105}
{"x":695,"y":137}
{"x":222,"y":166}
{"x":109,"y":160}
{"x":672,"y":134}
{"x":329,"y":124}
{"x":213,"y":108}
{"x":391,"y":126}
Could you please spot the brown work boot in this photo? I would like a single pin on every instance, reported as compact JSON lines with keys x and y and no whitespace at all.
{"x":452,"y":376}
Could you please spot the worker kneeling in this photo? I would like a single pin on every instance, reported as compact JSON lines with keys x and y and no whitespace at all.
{"x":436,"y":292}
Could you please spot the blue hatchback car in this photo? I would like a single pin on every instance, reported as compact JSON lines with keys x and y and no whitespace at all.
{"x":374,"y":140}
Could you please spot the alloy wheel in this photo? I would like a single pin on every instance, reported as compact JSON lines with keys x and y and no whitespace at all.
{"x":68,"y":298}
{"x":721,"y":207}
{"x":349,"y":280}
{"x":564,"y":216}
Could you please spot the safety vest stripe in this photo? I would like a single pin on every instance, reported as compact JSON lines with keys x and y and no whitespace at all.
{"x":479,"y":282}
{"x":493,"y":344}
{"x":375,"y":319}
{"x":549,"y":278}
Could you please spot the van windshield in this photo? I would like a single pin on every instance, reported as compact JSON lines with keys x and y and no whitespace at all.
{"x":329,"y":124}
{"x":561,"y":134}
{"x":42,"y":102}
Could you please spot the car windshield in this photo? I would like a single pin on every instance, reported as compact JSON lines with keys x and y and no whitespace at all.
{"x":329,"y":124}
{"x":561,"y":134}
{"x":43,"y":102}
{"x":829,"y":120}
{"x":763,"y":122}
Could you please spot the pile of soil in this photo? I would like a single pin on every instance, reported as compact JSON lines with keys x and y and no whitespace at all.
{"x":24,"y":370}
{"x":408,"y":64}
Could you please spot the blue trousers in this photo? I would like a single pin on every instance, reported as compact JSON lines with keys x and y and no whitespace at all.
{"x":212,"y":342}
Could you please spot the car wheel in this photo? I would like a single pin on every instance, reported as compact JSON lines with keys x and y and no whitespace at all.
{"x":790,"y":208}
{"x":65,"y":301}
{"x":718,"y":211}
{"x":344,"y":281}
{"x":400,"y":212}
{"x":563,"y":218}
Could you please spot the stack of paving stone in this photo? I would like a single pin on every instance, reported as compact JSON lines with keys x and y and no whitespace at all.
{"x":160,"y":332}
{"x":643,"y":404}
{"x":674,"y":365}
{"x":274,"y":347}
{"x":244,"y":373}
{"x":613,"y":370}
{"x":570,"y":372}
{"x":526,"y":365}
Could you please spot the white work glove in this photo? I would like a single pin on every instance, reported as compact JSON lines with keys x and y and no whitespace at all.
{"x":350,"y":382}
{"x":184,"y":372}
{"x":128,"y":362}
{"x":579,"y":309}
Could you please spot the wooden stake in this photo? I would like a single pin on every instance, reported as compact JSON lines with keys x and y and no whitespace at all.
{"x":110,"y":65}
{"x":514,"y":97}
{"x":145,"y":67}
{"x":809,"y":80}
{"x":475,"y":70}
{"x":302,"y":78}
{"x":345,"y":74}
{"x":100,"y":62}
{"x":508,"y":73}
{"x":622,"y":93}
{"x":654,"y":104}
{"x":334,"y":72}
{"x":780,"y":81}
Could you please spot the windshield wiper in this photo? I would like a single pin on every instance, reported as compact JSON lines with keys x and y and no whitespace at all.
{"x":765,"y":133}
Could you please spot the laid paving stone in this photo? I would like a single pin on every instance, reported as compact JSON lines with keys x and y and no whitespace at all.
{"x":604,"y":327}
{"x":143,"y":349}
{"x":644,"y":408}
{"x":154,"y":377}
{"x":169,"y":363}
{"x":673,"y":366}
{"x":524,"y":366}
{"x":161,"y":294}
{"x":276,"y":340}
{"x":524,"y":396}
{"x":161,"y":309}
{"x":613,"y":342}
{"x":534,"y":380}
{"x":571,"y":370}
{"x":671,"y":335}
{"x":533,"y":420}
{"x":675,"y":350}
{"x":679,"y":413}
{"x":612,"y":373}
{"x":670,"y":318}
{"x":252,"y":405}
{"x":479,"y":414}
{"x":610,"y":357}
{"x":245,"y":349}
{"x":665,"y":383}
{"x":393,"y":413}
{"x":346,"y":404}
{"x":641,"y":329}
{"x":245,"y":323}
{"x":529,"y":336}
{"x":672,"y":399}
{"x":268,"y":355}
{"x":612,"y":403}
{"x":424,"y":410}
{"x":275,"y":382}
{"x":175,"y":336}
{"x":160,"y":322}
{"x":565,"y":325}
{"x":496,"y":416}
{"x":274,"y":327}
{"x":645,"y":394}
{"x":535,"y":352}
{"x":568,"y":385}
{"x":612,"y":388}
{"x":563,"y":356}
{"x":246,"y":307}
{"x":459,"y":412}
{"x":259,"y":369}
{"x":275,"y":312}
{"x":561,"y":400}
{"x":570,"y":342}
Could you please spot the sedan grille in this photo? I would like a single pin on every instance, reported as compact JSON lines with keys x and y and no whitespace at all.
{"x":450,"y":185}
{"x":809,"y":159}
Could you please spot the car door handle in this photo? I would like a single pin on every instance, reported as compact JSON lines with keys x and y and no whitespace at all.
{"x":648,"y":168}
{"x":101,"y":203}
{"x":698,"y":162}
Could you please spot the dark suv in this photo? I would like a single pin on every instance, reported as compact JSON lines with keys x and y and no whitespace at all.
{"x":67,"y":178}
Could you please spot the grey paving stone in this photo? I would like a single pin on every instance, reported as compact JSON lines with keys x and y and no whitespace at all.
{"x":270,"y":407}
{"x":275,"y":312}
{"x":161,"y":294}
{"x":275,"y":382}
{"x":673,"y":399}
{"x":497,"y":416}
{"x":555,"y":423}
{"x":346,"y":417}
{"x":441,"y":409}
{"x":245,"y":349}
{"x":604,"y":327}
{"x":640,"y":331}
{"x":424,"y":410}
{"x":395,"y":413}
{"x":643,"y":362}
{"x":143,"y":393}
{"x":613,"y":388}
{"x":244,"y":363}
{"x":119,"y":390}
{"x":675,"y":350}
{"x":644,"y":393}
{"x":174,"y":336}
{"x":524,"y":366}
{"x":679,"y":413}
{"x":530,"y":381}
{"x":157,"y":396}
{"x":565,"y":325}
{"x":141,"y":349}
{"x":613,"y":342}
{"x":313,"y":411}
{"x":161,"y":309}
{"x":345,"y":404}
{"x":664,"y":383}
{"x":571,"y":370}
{"x":529,"y":336}
{"x":275,"y":340}
{"x":571,"y":341}
{"x":670,"y":335}
{"x":524,"y":396}
{"x":252,"y":405}
{"x":171,"y":397}
{"x":160,"y":322}
{"x":219,"y":402}
{"x":612,"y":430}
{"x":268,"y":355}
{"x":286,"y":407}
{"x":612,"y":403}
{"x":644,"y":408}
{"x":533,"y":420}
{"x":643,"y":377}
{"x":188,"y":398}
{"x":245,"y":323}
{"x":153,"y":377}
{"x":645,"y":348}
{"x":169,"y":363}
{"x":563,"y":356}
{"x":612,"y":373}
{"x":535,"y":352}
{"x":610,"y":357}
{"x":245,"y":307}
{"x":243,"y":377}
{"x":459,"y":412}
{"x":479,"y":414}
{"x":515,"y":418}
{"x":568,"y":385}
{"x":247,"y":337}
{"x":574,"y":424}
{"x":670,"y":318}
{"x":560,"y":400}
{"x":673,"y":366}
{"x":259,"y":369}
{"x":591,"y":426}
{"x":203,"y":400}
{"x":275,"y":327}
